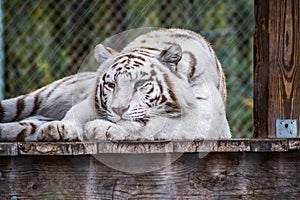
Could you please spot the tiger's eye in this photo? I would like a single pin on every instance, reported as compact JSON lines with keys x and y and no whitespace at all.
{"x":140,"y":83}
{"x":111,"y":85}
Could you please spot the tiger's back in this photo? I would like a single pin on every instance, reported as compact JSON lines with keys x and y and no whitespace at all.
{"x":198,"y":57}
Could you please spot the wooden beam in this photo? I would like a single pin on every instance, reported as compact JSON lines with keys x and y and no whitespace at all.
{"x":276,"y":64}
{"x":215,"y":176}
{"x":230,"y":169}
{"x":148,"y":147}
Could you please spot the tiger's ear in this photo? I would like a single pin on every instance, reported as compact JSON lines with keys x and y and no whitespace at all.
{"x":171,"y":56}
{"x":102,"y":53}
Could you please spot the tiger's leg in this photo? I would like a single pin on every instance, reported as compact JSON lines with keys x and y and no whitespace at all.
{"x":25,"y":130}
{"x":70,"y":128}
{"x":100,"y":129}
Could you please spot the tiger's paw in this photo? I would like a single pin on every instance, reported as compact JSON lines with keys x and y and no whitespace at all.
{"x":59,"y":131}
{"x":104,"y":130}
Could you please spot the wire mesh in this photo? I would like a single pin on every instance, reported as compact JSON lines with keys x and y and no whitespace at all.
{"x":46,"y":40}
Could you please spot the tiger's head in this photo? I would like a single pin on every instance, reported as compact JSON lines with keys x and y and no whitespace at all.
{"x":138,"y":85}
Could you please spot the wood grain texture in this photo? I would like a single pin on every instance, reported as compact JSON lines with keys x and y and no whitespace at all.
{"x":8,"y":149}
{"x":148,"y":147}
{"x":234,"y":145}
{"x":294,"y":144}
{"x":261,"y":68}
{"x":277,"y":64}
{"x":57,"y":148}
{"x":135,"y":147}
{"x":269,"y":145}
{"x":216,"y":176}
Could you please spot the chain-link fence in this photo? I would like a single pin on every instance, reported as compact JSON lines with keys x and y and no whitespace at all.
{"x":46,"y":40}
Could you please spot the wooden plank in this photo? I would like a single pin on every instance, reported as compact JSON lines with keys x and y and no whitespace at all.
{"x":148,"y":147}
{"x":8,"y":149}
{"x":135,"y":147}
{"x":294,"y":144}
{"x":269,"y":145}
{"x":194,"y":146}
{"x":277,"y":64}
{"x":233,"y":145}
{"x":238,"y":145}
{"x":216,"y":176}
{"x":57,"y":148}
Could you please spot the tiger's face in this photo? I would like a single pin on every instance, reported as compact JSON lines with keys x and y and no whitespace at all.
{"x":138,"y":86}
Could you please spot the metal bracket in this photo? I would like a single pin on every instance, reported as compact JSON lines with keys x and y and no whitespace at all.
{"x":286,"y":128}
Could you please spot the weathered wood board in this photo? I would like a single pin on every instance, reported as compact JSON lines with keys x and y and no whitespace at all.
{"x":216,"y":176}
{"x":134,"y":147}
{"x":225,"y":169}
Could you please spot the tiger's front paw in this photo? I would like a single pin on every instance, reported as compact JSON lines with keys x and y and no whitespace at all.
{"x":59,"y":131}
{"x":104,"y":130}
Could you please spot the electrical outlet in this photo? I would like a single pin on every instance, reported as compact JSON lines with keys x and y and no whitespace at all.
{"x":286,"y":128}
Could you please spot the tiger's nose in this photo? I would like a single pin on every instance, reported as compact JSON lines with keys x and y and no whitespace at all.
{"x":120,"y":110}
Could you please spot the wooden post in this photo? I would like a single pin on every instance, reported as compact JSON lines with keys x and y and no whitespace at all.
{"x":276,"y":64}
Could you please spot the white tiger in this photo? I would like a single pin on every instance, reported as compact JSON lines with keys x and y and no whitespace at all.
{"x":166,"y":84}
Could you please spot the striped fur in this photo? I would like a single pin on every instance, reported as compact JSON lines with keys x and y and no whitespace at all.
{"x":22,"y":116}
{"x":166,"y":84}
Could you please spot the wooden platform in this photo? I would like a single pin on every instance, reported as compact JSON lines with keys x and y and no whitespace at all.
{"x":86,"y":148}
{"x":227,"y":169}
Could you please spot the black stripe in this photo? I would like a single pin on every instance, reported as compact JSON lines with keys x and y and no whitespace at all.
{"x":169,"y":43}
{"x":20,"y":107}
{"x":151,"y":90}
{"x":170,"y":87}
{"x":97,"y":107}
{"x":150,"y":48}
{"x":100,"y":100}
{"x":163,"y":99}
{"x":172,"y":108}
{"x":37,"y":97}
{"x":138,"y":63}
{"x":180,"y":35}
{"x":37,"y":102}
{"x":33,"y":128}
{"x":128,"y":57}
{"x":22,"y":135}
{"x":192,"y":63}
{"x":132,"y":56}
{"x":160,"y":86}
{"x":114,"y":65}
{"x":197,"y":76}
